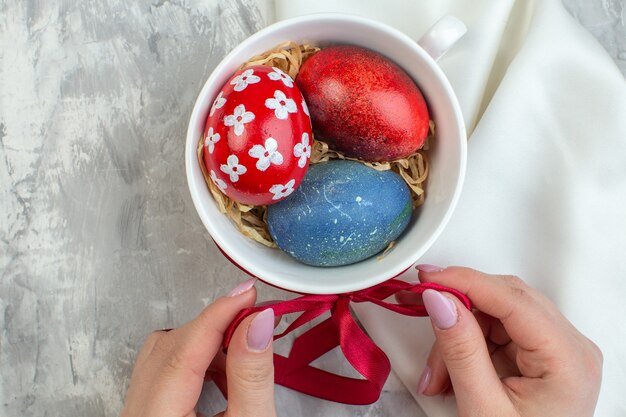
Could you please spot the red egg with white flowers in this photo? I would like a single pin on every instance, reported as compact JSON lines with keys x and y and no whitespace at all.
{"x":257,"y":139}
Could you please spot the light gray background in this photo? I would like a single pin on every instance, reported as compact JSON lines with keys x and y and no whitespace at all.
{"x":99,"y":240}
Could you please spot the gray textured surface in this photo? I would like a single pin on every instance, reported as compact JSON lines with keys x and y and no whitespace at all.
{"x":606,"y":20}
{"x":99,"y":240}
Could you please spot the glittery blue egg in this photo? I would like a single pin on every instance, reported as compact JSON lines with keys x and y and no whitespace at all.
{"x":342,"y":213}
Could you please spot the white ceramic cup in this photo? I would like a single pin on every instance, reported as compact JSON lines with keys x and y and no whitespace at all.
{"x":447,"y":154}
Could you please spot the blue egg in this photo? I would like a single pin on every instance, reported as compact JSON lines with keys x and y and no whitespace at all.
{"x":342,"y":212}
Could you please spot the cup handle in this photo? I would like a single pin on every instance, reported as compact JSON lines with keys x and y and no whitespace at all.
{"x":442,"y":35}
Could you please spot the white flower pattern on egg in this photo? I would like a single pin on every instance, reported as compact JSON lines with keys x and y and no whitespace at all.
{"x":305,"y":108}
{"x":267,"y":154}
{"x":279,"y":75}
{"x":238,"y":119}
{"x":302,"y":150}
{"x":211,"y":139}
{"x":218,"y":103}
{"x":281,"y":105}
{"x":281,"y":191}
{"x":244,"y":79}
{"x":218,"y":182}
{"x":232,"y":168}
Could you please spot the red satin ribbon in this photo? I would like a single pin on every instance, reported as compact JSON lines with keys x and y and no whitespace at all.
{"x":341,"y":330}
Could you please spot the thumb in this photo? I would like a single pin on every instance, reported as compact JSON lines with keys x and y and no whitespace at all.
{"x":250,"y":368}
{"x":185,"y":353}
{"x":476,"y":384}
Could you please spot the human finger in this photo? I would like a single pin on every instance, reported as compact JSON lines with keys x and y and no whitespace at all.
{"x":409,"y":297}
{"x":434,"y":379}
{"x":465,"y":354}
{"x":492,"y":329}
{"x":277,"y":317}
{"x":187,"y":352}
{"x":525,"y":317}
{"x":218,"y":365}
{"x":502,"y":362}
{"x":250,"y":368}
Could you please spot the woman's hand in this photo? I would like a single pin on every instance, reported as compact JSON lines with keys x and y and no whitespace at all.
{"x":170,"y":368}
{"x":517,"y":355}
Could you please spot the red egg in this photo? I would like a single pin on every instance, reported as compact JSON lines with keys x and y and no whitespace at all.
{"x":257,"y":140}
{"x":363,"y":104}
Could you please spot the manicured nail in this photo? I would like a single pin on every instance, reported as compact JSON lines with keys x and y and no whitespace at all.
{"x":261,"y":330}
{"x":243,"y":287}
{"x":440,"y":308}
{"x":429,"y":268}
{"x":424,"y":380}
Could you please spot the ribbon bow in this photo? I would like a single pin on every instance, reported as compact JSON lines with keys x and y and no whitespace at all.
{"x":340,"y":329}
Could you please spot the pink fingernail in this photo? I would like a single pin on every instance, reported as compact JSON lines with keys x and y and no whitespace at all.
{"x":243,"y":287}
{"x":261,"y":330}
{"x":429,"y":268}
{"x":440,"y":308}
{"x":424,"y":380}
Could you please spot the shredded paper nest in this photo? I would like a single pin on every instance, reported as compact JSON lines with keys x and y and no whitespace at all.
{"x":252,"y":220}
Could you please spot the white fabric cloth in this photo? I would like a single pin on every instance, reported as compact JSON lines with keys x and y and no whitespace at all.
{"x":545,"y":192}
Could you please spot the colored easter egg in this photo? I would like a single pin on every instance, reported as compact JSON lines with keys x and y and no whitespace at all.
{"x":258,"y":136}
{"x":342,"y":213}
{"x":363,"y":104}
